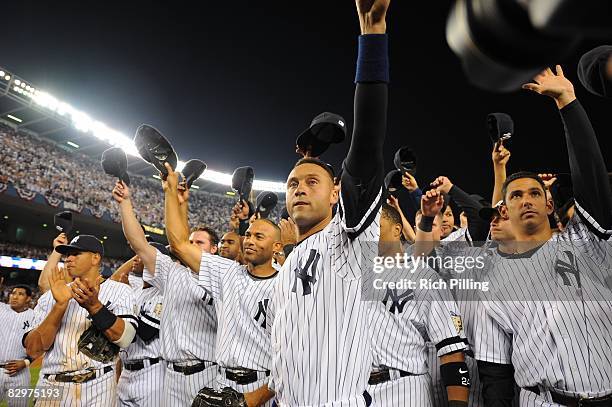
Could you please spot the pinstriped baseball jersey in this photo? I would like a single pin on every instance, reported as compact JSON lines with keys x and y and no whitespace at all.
{"x":148,"y":306}
{"x":549,"y":313}
{"x":403,"y":321}
{"x":242,"y":301}
{"x":13,"y":326}
{"x":189,"y":331}
{"x":321,"y":348}
{"x":64,"y":356}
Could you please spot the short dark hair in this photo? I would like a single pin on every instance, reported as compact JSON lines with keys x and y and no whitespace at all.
{"x":519,"y":175}
{"x":277,"y":228}
{"x":214,"y":237}
{"x":392,"y":214}
{"x":312,"y":160}
{"x":26,"y":288}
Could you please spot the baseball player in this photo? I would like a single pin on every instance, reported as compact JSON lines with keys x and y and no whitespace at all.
{"x":321,"y":352}
{"x":16,"y":319}
{"x":188,"y":330}
{"x":241,"y":294}
{"x":80,"y":328}
{"x":142,"y":376}
{"x":231,"y":246}
{"x":403,"y":321}
{"x":548,"y":312}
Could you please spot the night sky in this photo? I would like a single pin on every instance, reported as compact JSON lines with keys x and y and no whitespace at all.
{"x":233,"y":83}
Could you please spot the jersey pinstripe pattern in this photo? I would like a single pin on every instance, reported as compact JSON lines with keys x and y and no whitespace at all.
{"x":321,"y":352}
{"x":148,"y":307}
{"x":14,"y":326}
{"x":188,"y":333}
{"x":64,"y":356}
{"x":550,"y":313}
{"x":242,"y":301}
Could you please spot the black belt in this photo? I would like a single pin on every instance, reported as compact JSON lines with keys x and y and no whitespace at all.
{"x":383,"y":375}
{"x":241,"y":375}
{"x":570,"y":401}
{"x":78,"y":378}
{"x":139,"y":364}
{"x":189,"y":370}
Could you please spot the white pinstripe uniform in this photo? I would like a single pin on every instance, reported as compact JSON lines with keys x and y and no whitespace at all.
{"x":143,"y":387}
{"x":241,"y":300}
{"x":64,"y":356}
{"x":187,"y":330}
{"x":402,"y":324}
{"x":555,"y":322}
{"x":13,"y":326}
{"x":321,"y":354}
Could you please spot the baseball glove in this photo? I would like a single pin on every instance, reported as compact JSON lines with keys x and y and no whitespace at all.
{"x":227,"y":397}
{"x":94,"y":344}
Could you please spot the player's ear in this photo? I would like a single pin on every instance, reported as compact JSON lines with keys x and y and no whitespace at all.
{"x":277,"y":247}
{"x":397,"y":231}
{"x":503,"y":211}
{"x":550,"y":206}
{"x":96,"y":259}
{"x":214,"y":248}
{"x":335,"y":195}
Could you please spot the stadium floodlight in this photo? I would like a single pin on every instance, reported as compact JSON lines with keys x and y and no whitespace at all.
{"x":15,"y":118}
{"x":70,"y":143}
{"x":84,"y":123}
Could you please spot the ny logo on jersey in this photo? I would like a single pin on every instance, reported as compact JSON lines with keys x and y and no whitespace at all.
{"x":262,"y":308}
{"x":397,"y":302}
{"x":26,"y":324}
{"x":308,"y":280}
{"x":563,"y":267}
{"x":207,"y":297}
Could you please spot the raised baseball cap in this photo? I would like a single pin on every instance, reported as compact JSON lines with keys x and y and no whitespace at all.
{"x":82,"y":243}
{"x":325,"y":129}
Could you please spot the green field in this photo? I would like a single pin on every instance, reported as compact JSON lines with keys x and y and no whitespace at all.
{"x":34,"y":371}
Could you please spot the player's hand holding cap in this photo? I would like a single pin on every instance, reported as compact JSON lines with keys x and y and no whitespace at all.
{"x":393,"y":180}
{"x":82,"y":243}
{"x":154,"y":148}
{"x":114,"y":163}
{"x":325,"y":129}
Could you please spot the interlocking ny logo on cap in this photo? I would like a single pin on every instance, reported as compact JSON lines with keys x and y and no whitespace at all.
{"x":76,"y":239}
{"x":341,"y":123}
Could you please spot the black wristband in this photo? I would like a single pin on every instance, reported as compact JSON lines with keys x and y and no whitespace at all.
{"x":455,"y":374}
{"x":287,"y":249}
{"x":103,"y":319}
{"x":426,"y":223}
{"x":373,"y":59}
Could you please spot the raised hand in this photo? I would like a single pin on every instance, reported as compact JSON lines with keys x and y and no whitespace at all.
{"x":121,"y":192}
{"x":442,"y":185}
{"x":394,"y":202}
{"x":372,"y":15}
{"x":87,"y":295}
{"x":409,"y":182}
{"x":241,"y":210}
{"x":500,"y":154}
{"x":172,"y":180}
{"x":60,"y":239}
{"x":431,"y":203}
{"x":548,"y":179}
{"x":557,"y":86}
{"x":289,"y":231}
{"x":183,"y":192}
{"x":60,"y":290}
{"x":304,"y":152}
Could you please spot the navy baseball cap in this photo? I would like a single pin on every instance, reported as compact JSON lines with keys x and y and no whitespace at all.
{"x":487,"y":213}
{"x":82,"y":243}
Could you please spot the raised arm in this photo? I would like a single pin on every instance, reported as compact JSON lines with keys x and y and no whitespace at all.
{"x":589,"y":175}
{"x":178,"y":235}
{"x":131,"y":227}
{"x":500,"y":157}
{"x":431,"y":205}
{"x":52,"y":262}
{"x":407,"y":230}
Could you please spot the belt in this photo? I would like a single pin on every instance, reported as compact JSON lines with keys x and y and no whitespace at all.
{"x":570,"y":401}
{"x":140,"y":364}
{"x":77,"y":378}
{"x":383,"y":375}
{"x":241,"y":375}
{"x":193,"y":369}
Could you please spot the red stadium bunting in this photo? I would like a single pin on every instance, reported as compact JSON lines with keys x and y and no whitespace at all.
{"x":53,"y":201}
{"x":25,"y":193}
